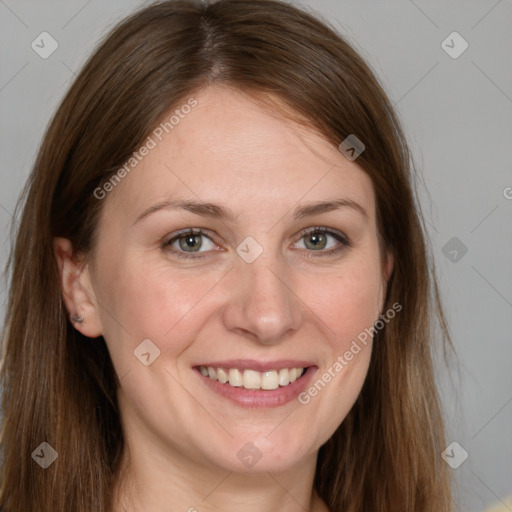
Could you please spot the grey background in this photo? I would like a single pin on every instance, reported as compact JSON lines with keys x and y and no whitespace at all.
{"x":458,"y":117}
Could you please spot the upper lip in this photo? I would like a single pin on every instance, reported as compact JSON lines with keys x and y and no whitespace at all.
{"x":261,"y":366}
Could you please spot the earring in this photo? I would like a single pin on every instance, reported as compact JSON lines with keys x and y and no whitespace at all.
{"x":77,"y":319}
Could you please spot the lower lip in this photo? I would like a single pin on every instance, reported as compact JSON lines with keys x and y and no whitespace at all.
{"x":252,"y":399}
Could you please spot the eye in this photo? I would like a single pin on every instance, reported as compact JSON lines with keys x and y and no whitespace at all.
{"x":195,"y":243}
{"x":323,"y":240}
{"x":189,"y":243}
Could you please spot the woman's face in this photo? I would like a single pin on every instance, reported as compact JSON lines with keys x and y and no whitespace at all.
{"x":268,"y":286}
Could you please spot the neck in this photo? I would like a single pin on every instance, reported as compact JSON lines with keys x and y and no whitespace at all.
{"x":160,"y":483}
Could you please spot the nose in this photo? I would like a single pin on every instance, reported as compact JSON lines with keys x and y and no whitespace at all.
{"x":262,"y":305}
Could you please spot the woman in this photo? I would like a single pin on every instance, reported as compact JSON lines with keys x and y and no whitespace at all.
{"x":221,"y":297}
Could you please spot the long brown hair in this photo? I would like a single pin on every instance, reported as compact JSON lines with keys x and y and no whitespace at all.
{"x":60,"y":388}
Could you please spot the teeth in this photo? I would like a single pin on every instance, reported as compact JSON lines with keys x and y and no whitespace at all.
{"x":252,"y":379}
{"x":236,"y":378}
{"x":270,"y":380}
{"x":284,"y":377}
{"x":222,"y":376}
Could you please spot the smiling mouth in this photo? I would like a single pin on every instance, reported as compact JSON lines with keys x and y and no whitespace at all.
{"x":252,"y":379}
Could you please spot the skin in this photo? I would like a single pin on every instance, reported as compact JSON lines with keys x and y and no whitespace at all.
{"x":182,"y":439}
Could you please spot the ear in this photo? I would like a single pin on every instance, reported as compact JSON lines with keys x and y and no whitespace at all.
{"x":76,"y":288}
{"x":388,"y":264}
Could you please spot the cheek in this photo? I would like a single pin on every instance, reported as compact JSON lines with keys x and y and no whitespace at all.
{"x":152,"y":301}
{"x":349,"y":302}
{"x":349,"y":306}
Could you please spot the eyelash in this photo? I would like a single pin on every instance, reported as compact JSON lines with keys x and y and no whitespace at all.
{"x":343,"y":239}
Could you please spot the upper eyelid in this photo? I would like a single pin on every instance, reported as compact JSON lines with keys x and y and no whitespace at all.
{"x":322,"y":229}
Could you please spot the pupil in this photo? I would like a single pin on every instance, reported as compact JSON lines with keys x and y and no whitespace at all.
{"x":190,"y":242}
{"x":317,"y":240}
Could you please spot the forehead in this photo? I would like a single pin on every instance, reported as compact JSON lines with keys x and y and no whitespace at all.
{"x":230,"y":149}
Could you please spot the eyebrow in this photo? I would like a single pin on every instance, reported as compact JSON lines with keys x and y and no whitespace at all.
{"x":317,"y":208}
{"x":220,"y":212}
